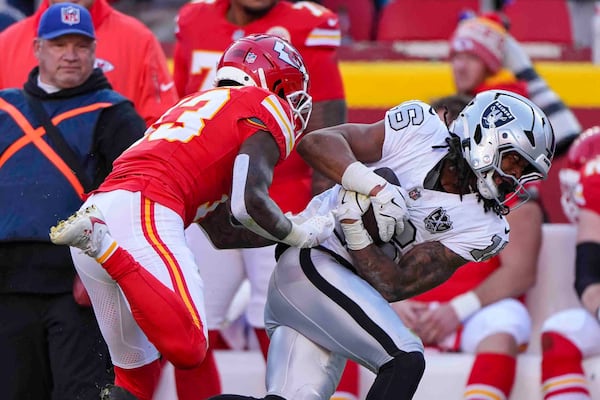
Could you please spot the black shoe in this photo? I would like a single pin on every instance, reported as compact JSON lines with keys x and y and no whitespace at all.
{"x":112,"y":392}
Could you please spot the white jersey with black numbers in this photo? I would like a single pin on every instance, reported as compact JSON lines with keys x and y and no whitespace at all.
{"x":320,"y":313}
{"x":413,"y":146}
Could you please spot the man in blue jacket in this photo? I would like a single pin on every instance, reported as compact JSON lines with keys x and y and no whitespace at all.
{"x":60,"y":135}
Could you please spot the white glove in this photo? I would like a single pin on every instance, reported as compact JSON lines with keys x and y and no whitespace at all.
{"x":351,"y":205}
{"x":515,"y":57}
{"x":389,"y":207}
{"x":312,"y":232}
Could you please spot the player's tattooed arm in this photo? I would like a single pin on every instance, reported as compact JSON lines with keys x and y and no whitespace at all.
{"x":422,"y":268}
{"x":225,"y":235}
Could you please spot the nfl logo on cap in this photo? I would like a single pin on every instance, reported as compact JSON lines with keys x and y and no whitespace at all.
{"x":69,"y":15}
{"x":65,"y":19}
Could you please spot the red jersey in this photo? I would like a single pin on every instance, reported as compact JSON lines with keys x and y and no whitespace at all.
{"x":587,"y":193}
{"x":203,"y":33}
{"x":185,"y":160}
{"x":127,"y":51}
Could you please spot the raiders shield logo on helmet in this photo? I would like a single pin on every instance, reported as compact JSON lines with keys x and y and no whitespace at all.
{"x":495,"y":115}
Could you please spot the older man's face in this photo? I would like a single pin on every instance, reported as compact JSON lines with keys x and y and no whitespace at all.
{"x":67,"y":61}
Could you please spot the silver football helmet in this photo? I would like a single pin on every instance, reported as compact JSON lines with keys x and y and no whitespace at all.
{"x":496,"y":122}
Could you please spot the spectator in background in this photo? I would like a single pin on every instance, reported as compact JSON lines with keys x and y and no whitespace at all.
{"x":479,"y":309}
{"x":51,"y":347}
{"x":480,"y":47}
{"x":571,"y":335}
{"x":203,"y":31}
{"x":128,"y":53}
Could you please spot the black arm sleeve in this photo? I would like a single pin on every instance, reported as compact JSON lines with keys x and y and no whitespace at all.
{"x":118,"y":128}
{"x":587,"y":266}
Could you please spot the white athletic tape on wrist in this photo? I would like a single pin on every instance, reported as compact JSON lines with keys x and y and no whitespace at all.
{"x":297,"y":236}
{"x":465,"y":305}
{"x":361,"y":179}
{"x":357,"y":237}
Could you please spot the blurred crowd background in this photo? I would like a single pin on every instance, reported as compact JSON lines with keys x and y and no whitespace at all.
{"x":568,"y":23}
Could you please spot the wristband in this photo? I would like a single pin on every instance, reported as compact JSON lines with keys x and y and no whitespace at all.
{"x":357,"y":237}
{"x":360,"y":178}
{"x":296,"y":237}
{"x":465,"y":305}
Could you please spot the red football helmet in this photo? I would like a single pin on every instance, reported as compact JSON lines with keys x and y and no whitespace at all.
{"x":583,"y":149}
{"x":272,"y":63}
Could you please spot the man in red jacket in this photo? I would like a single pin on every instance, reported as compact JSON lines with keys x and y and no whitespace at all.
{"x":127,"y":51}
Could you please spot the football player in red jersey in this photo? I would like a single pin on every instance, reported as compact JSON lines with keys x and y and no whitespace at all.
{"x":204,"y":29}
{"x":571,"y":335}
{"x":213,"y":150}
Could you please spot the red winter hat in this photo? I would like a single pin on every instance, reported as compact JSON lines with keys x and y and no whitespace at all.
{"x":481,"y":36}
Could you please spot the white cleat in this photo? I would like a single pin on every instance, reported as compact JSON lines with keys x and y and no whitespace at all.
{"x":85,"y":230}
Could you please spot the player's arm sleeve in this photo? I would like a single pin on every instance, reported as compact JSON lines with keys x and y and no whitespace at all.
{"x":181,"y":62}
{"x":251,"y":204}
{"x":319,"y":51}
{"x":181,"y":56}
{"x":156,"y":90}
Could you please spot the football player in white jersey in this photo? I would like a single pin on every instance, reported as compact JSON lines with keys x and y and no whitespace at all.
{"x":331,"y":303}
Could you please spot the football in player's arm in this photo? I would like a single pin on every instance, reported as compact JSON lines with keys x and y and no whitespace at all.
{"x":450,"y":203}
{"x":212,"y":147}
{"x":431,"y":263}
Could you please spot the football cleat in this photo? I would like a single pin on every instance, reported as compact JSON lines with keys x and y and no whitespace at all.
{"x":112,"y":392}
{"x":84,"y":230}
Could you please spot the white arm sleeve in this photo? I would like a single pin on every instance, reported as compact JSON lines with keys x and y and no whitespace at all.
{"x":238,"y":204}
